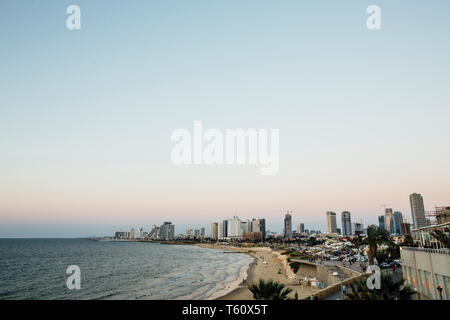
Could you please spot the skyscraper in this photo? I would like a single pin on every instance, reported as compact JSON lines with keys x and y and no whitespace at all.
{"x":357,"y":228}
{"x":300,"y":228}
{"x":397,"y":218}
{"x":288,"y":226}
{"x":220,"y":234}
{"x":417,"y":210}
{"x":262,"y":228}
{"x":346,"y":223}
{"x":167,"y":231}
{"x":225,"y":228}
{"x":331,"y":222}
{"x":245,"y":227}
{"x":259,"y":225}
{"x":382,"y":222}
{"x":389,"y":223}
{"x":234,"y":229}
{"x":214,"y":230}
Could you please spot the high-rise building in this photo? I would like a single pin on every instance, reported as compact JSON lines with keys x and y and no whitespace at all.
{"x":382,"y":222}
{"x":234,"y":229}
{"x":406,"y":228}
{"x":259,"y":225}
{"x":140,"y":233}
{"x":389,"y":220}
{"x":223,"y":229}
{"x":220,"y":234}
{"x":245,"y":227}
{"x":346,"y":223}
{"x":202,"y":232}
{"x":288,"y":226}
{"x":154,"y":233}
{"x":254,"y":226}
{"x":301,"y":228}
{"x":262,"y":228}
{"x":357,"y":228}
{"x":167,"y":231}
{"x":214,"y":231}
{"x":331,"y":222}
{"x":397,"y":219}
{"x":417,"y":210}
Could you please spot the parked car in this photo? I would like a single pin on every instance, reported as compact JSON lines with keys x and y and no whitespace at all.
{"x":397,"y":263}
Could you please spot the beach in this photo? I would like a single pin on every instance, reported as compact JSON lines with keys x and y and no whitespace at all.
{"x":267,"y":265}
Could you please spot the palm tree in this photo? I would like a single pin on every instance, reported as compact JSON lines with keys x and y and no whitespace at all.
{"x":442,"y":237}
{"x":356,"y":242}
{"x":390,"y":289}
{"x":375,"y":236}
{"x":269,"y":290}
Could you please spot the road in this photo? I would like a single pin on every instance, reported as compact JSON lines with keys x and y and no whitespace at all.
{"x":337,"y":295}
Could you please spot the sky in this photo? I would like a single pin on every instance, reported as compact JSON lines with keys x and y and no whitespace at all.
{"x":86,"y":116}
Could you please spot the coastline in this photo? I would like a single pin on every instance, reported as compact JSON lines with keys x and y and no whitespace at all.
{"x":231,"y":287}
{"x":266,"y":264}
{"x":240,"y":284}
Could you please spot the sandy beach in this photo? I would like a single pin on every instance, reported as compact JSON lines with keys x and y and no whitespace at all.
{"x":266,"y":265}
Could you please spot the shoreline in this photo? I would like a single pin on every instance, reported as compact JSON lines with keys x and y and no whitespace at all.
{"x":265,"y":265}
{"x":240,"y":282}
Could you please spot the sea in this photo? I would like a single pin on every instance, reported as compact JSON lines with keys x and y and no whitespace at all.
{"x":36,"y":269}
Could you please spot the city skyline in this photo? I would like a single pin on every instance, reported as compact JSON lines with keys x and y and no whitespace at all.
{"x":391,"y":220}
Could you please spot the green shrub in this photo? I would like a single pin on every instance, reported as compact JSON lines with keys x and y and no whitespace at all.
{"x":295,"y":266}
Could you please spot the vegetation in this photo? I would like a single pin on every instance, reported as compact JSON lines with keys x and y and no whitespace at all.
{"x":295,"y":266}
{"x":356,"y":242}
{"x":408,"y":241}
{"x":390,"y":289}
{"x":269,"y":290}
{"x":393,"y":250}
{"x":375,"y":237}
{"x":381,"y":256}
{"x":442,"y":237}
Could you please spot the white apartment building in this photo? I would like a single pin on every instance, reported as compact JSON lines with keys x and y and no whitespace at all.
{"x":427,"y":268}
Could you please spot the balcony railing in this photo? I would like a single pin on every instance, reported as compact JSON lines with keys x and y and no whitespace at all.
{"x":439,"y":251}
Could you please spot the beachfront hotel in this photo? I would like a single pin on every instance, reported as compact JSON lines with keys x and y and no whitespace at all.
{"x":237,"y":229}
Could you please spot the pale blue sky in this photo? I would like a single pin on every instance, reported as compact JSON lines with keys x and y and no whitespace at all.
{"x":86,"y":116}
